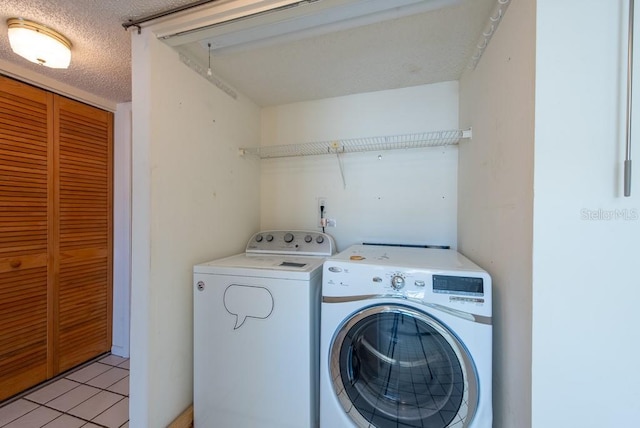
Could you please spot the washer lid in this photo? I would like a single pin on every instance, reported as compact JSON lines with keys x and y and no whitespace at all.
{"x":261,"y":265}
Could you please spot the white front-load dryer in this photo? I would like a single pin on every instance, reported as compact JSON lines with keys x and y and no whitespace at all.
{"x":406,"y":340}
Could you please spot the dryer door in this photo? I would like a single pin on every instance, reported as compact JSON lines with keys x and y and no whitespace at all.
{"x":395,"y":366}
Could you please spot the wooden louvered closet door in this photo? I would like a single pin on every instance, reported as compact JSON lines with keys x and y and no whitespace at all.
{"x":26,"y":151}
{"x":55,"y":234}
{"x":84,"y":205}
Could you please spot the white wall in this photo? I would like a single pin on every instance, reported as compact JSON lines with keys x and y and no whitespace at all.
{"x":495,"y":200}
{"x":586,"y":290}
{"x":407,"y":196}
{"x":194,"y":199}
{"x":121,"y":230}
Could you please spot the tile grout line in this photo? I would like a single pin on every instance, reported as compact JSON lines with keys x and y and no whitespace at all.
{"x":62,"y":413}
{"x":101,"y":390}
{"x":76,"y":417}
{"x":117,"y":402}
{"x":47,"y":382}
{"x":25,"y":394}
{"x":86,"y":384}
{"x":75,"y":387}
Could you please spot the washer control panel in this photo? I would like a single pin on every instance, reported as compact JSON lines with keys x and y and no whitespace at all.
{"x":406,"y":283}
{"x":300,"y":242}
{"x":460,"y":290}
{"x":397,"y":281}
{"x":431,"y":276}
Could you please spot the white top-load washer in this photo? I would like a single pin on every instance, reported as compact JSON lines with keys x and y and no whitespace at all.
{"x":406,"y":340}
{"x":256,"y":333}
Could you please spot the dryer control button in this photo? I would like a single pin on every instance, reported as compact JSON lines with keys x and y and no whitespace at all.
{"x":419,"y":283}
{"x":335,"y":269}
{"x":377,"y":279}
{"x":397,"y":282}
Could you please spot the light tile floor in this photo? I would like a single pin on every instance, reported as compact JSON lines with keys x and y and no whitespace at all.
{"x":96,"y":395}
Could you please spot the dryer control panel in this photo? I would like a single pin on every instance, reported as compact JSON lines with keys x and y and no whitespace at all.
{"x":439,"y":277}
{"x":299,"y":242}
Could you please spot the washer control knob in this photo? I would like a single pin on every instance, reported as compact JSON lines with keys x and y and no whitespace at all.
{"x":259,"y":238}
{"x":397,"y":282}
{"x":288,"y":237}
{"x":320,"y":239}
{"x":308,"y":239}
{"x":269,"y":237}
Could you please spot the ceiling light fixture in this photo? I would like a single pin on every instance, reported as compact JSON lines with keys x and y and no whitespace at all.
{"x":38,"y":43}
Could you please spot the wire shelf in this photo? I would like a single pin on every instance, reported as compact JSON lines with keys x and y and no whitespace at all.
{"x":353,"y":145}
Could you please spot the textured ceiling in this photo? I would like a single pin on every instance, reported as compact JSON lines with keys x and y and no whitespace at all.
{"x":101,"y":53}
{"x":425,"y":48}
{"x":420,"y":49}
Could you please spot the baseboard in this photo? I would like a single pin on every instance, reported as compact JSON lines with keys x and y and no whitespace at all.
{"x":120,"y":351}
{"x":185,"y":420}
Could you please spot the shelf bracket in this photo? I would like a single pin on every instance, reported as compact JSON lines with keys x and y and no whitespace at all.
{"x":344,"y":183}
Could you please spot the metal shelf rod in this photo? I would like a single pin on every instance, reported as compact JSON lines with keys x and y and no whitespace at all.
{"x":627,"y":158}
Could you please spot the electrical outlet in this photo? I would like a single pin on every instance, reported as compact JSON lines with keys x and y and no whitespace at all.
{"x":331,"y":222}
{"x":322,"y":202}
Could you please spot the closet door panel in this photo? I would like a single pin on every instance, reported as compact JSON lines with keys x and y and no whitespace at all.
{"x":26,"y":235}
{"x":84,"y":204}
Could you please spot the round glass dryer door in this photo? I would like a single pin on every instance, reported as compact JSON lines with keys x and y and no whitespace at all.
{"x":395,"y":366}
